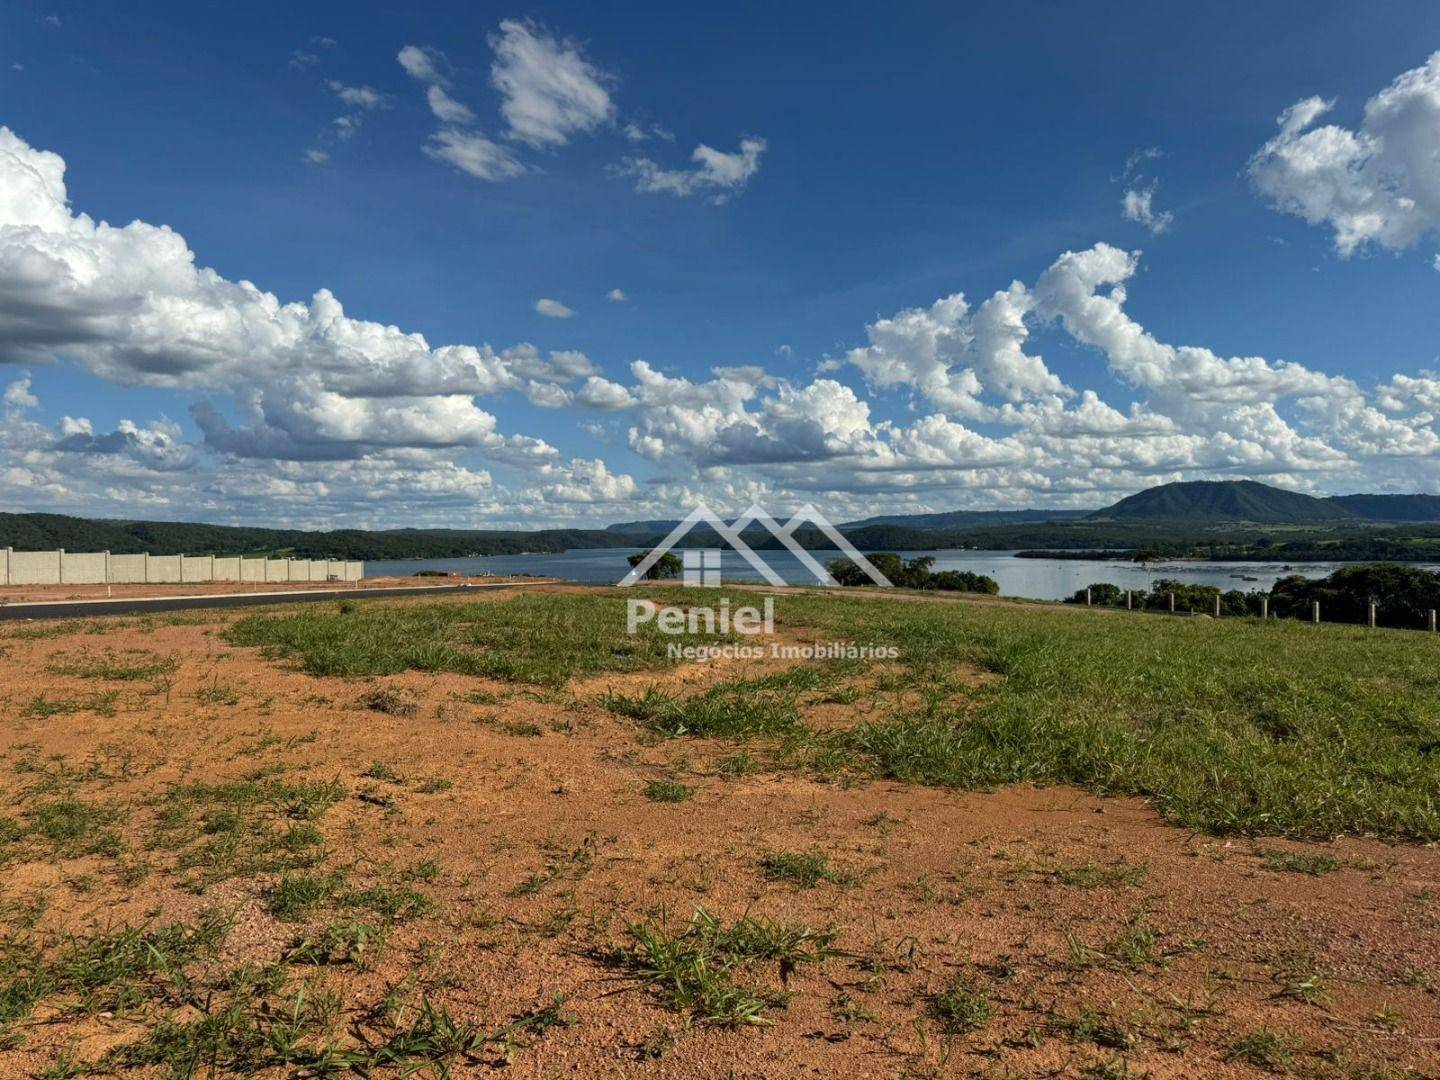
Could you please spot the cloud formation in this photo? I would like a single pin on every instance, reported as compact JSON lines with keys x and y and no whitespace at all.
{"x":719,"y":174}
{"x":1378,"y":183}
{"x":1138,"y":205}
{"x":316,"y":416}
{"x":553,"y":309}
{"x":306,"y":381}
{"x":549,"y":90}
{"x":457,"y":142}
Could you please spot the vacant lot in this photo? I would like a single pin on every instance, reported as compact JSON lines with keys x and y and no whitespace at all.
{"x":451,"y":837}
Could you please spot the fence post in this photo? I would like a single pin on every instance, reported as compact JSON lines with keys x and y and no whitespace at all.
{"x":1432,"y":620}
{"x":1172,"y":603}
{"x":60,"y":565}
{"x":1372,"y":615}
{"x":1129,"y":601}
{"x":1264,"y":607}
{"x":7,"y":565}
{"x":1087,"y":596}
{"x":145,"y":569}
{"x":1217,"y":605}
{"x":212,"y":567}
{"x":107,"y":568}
{"x":1314,"y":611}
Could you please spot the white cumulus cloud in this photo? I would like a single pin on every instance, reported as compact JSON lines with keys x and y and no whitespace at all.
{"x":717,"y":173}
{"x":1378,"y":183}
{"x":1138,"y":205}
{"x":553,"y":309}
{"x":549,"y":89}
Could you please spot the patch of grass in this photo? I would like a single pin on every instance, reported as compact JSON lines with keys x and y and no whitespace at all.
{"x":521,"y":729}
{"x":105,"y":970}
{"x":297,"y":896}
{"x":668,"y":791}
{"x":531,"y":638}
{"x":1095,"y":876}
{"x":239,"y":1028}
{"x":961,"y":1008}
{"x":767,"y":705}
{"x":697,"y":969}
{"x":73,"y":827}
{"x":378,"y":770}
{"x":349,"y":942}
{"x":244,"y":826}
{"x":217,"y":693}
{"x":1265,"y":1049}
{"x":803,"y":869}
{"x":1298,"y":978}
{"x":737,"y":764}
{"x":1090,"y":1026}
{"x":1299,"y":862}
{"x":41,"y":707}
{"x":1175,"y":710}
{"x":132,"y":665}
{"x":1137,"y":947}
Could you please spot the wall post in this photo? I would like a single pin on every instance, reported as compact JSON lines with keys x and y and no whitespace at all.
{"x":1315,"y":611}
{"x":146,"y":573}
{"x":1372,"y":615}
{"x":7,"y":565}
{"x":1217,"y":605}
{"x":60,"y":565}
{"x":1264,"y":607}
{"x":1432,"y":620}
{"x":1129,"y":600}
{"x":107,"y":568}
{"x":1172,"y":603}
{"x":1087,"y":596}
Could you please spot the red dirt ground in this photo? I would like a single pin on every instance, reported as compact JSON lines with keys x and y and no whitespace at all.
{"x":547,"y":848}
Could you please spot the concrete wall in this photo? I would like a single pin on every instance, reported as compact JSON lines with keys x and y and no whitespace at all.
{"x":164,"y":569}
{"x":197,"y":568}
{"x":100,"y":567}
{"x":87,"y":569}
{"x":127,"y":569}
{"x":34,"y":568}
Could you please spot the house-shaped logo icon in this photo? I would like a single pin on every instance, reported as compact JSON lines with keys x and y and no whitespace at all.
{"x":702,"y":566}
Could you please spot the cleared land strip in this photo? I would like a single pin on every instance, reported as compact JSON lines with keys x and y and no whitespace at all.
{"x":140,"y":605}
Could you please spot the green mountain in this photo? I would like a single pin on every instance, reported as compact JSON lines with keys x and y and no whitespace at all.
{"x":1211,"y":501}
{"x":643,"y":528}
{"x":1391,"y":507}
{"x":40,"y":532}
{"x":955,"y":519}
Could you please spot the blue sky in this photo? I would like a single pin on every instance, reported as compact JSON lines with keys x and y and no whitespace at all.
{"x":894,"y":159}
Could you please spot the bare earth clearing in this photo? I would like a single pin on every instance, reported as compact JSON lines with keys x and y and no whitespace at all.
{"x":16,"y":594}
{"x":487,"y":849}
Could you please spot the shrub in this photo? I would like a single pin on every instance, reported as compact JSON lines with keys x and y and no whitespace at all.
{"x":912,"y":574}
{"x":1403,"y":595}
{"x":669,"y":565}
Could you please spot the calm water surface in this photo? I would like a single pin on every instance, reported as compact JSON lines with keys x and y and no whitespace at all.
{"x":1040,"y":579}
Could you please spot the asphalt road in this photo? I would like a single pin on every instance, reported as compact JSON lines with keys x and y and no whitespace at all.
{"x":74,"y":609}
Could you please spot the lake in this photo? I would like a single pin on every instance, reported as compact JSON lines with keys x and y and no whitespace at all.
{"x":1038,"y":579}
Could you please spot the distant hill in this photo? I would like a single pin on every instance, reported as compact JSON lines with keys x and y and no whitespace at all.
{"x":643,"y":528}
{"x":955,"y":519}
{"x":1198,"y":501}
{"x":40,"y":532}
{"x":1391,"y":507}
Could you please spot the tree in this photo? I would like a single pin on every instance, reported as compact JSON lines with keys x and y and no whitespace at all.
{"x":912,"y":574}
{"x":667,"y":566}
